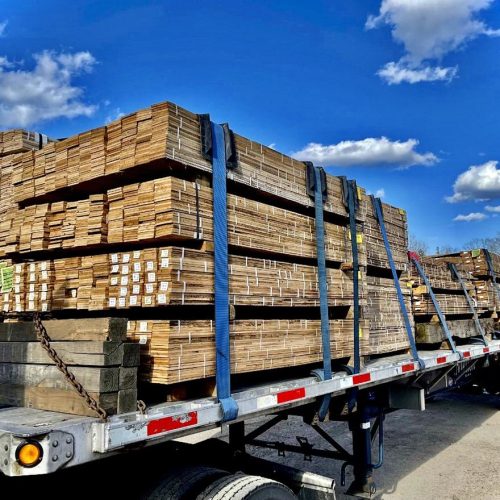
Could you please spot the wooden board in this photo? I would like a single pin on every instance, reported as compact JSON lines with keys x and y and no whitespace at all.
{"x":88,"y":353}
{"x":66,"y":401}
{"x":95,"y":329}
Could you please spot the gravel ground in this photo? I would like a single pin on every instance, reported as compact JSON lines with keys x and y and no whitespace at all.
{"x":450,"y":451}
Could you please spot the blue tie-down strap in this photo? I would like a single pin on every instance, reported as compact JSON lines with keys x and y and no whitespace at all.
{"x":350,"y":193}
{"x":377,"y":206}
{"x":435,"y":302}
{"x":221,"y":260}
{"x":455,"y":275}
{"x":323,"y":288}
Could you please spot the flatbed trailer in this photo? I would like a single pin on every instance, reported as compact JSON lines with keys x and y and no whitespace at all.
{"x":384,"y":384}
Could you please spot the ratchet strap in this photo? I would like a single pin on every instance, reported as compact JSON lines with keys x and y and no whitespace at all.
{"x":351,"y":202}
{"x":377,"y":208}
{"x":316,"y":187}
{"x":215,"y":140}
{"x":414,"y":258}
{"x":456,"y":276}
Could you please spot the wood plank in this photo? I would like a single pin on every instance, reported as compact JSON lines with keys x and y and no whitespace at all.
{"x":432,"y":333}
{"x":92,"y":379}
{"x":56,"y":399}
{"x":86,"y":353}
{"x":94,"y":329}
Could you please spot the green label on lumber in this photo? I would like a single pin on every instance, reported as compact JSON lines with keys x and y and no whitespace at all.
{"x":6,"y":278}
{"x":476,"y":253}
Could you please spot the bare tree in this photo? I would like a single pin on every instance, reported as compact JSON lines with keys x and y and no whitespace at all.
{"x":444,"y":250}
{"x":492,"y":244}
{"x":418,"y":246}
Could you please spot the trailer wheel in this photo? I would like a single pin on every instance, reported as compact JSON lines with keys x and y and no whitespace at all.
{"x":184,"y":483}
{"x":242,"y":487}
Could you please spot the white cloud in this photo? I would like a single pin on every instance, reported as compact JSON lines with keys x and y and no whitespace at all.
{"x":494,"y":209}
{"x":472,"y":217}
{"x":395,"y":73}
{"x":3,"y":25}
{"x":380,"y":193}
{"x":366,"y":152}
{"x":44,"y":92}
{"x":479,"y":182}
{"x":429,"y":30}
{"x":272,"y":145}
{"x":115,"y":114}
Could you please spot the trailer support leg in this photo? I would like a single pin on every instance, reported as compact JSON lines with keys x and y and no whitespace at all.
{"x":363,"y":485}
{"x":237,"y":436}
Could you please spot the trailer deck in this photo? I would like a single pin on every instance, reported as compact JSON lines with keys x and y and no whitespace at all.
{"x":69,"y":440}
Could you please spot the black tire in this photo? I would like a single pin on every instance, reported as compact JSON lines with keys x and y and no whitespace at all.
{"x":242,"y":487}
{"x":184,"y":483}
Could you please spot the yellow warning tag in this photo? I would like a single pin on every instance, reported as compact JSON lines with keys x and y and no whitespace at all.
{"x":360,"y":193}
{"x":360,"y":332}
{"x":360,"y":276}
{"x":359,"y":238}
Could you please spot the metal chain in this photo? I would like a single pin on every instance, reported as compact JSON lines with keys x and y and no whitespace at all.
{"x":45,"y":340}
{"x":141,"y":406}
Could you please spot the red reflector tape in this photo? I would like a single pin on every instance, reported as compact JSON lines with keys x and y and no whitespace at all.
{"x":361,"y":378}
{"x":172,"y":423}
{"x":441,"y":360}
{"x":466,"y":354}
{"x":486,"y":349}
{"x":408,"y":368}
{"x":292,"y":395}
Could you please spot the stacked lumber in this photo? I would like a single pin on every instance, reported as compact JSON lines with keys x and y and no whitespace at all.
{"x":19,"y":141}
{"x":451,"y":299}
{"x":474,"y":261}
{"x":96,"y":351}
{"x":167,"y":276}
{"x":439,"y":275}
{"x":397,"y":231}
{"x":432,"y":332}
{"x":177,"y":351}
{"x":386,"y":322}
{"x":120,"y":219}
{"x":162,"y":133}
{"x":12,"y":144}
{"x":171,"y":209}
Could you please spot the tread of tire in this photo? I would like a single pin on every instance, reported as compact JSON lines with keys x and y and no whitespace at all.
{"x":239,"y":487}
{"x":180,"y":481}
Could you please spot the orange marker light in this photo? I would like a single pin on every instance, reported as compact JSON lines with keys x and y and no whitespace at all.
{"x":29,"y":454}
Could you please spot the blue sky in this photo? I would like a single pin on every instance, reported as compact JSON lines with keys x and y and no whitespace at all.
{"x":341,"y":74}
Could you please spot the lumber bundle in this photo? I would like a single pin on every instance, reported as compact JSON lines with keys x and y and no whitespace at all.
{"x":170,"y":209}
{"x":19,"y":141}
{"x":439,"y":275}
{"x":397,"y":231}
{"x":96,"y":352}
{"x":432,"y":332}
{"x":156,"y":134}
{"x":166,"y":276}
{"x":474,"y":261}
{"x":177,"y":351}
{"x":386,"y":322}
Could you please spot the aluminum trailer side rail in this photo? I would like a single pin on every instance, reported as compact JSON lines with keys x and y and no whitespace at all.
{"x":69,"y":440}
